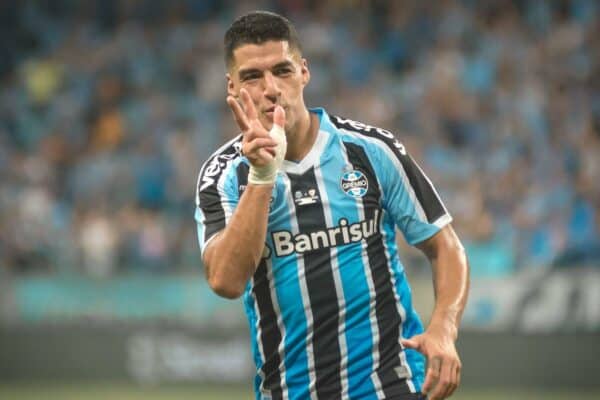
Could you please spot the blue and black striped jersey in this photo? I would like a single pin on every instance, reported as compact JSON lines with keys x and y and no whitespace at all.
{"x":330,"y":302}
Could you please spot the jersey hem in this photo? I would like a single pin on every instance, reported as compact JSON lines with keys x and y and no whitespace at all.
{"x":207,"y":242}
{"x":438,"y":223}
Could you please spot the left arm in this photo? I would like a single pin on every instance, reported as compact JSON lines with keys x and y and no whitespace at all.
{"x":451,"y":283}
{"x":450,"y":279}
{"x":419,"y":213}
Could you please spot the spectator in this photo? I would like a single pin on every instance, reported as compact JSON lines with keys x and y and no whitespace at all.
{"x":117,"y":104}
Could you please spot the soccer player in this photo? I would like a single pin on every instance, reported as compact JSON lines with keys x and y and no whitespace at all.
{"x":298,"y":214}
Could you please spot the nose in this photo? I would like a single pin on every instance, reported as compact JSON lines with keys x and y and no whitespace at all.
{"x":271,"y":89}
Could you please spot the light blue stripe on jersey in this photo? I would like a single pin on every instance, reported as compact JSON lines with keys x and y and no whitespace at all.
{"x":227,"y":187}
{"x":398,"y":196}
{"x":412,"y":323}
{"x":411,"y":327}
{"x":358,"y":333}
{"x":249,"y":305}
{"x":289,"y":298}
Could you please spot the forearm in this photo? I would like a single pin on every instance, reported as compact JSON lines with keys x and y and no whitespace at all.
{"x":231,"y":258}
{"x":451,"y":284}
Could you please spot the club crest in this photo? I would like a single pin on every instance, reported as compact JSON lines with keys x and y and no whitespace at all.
{"x":354,"y":183}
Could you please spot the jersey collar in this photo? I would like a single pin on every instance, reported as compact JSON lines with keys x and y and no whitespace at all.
{"x":314,"y":155}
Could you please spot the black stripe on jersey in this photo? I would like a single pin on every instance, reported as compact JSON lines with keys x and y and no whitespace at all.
{"x":388,"y":318}
{"x":208,"y":196}
{"x":321,"y":292}
{"x":270,"y":336}
{"x":424,"y":191}
{"x":242,"y":176}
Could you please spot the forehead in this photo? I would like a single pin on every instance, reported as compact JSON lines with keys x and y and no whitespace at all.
{"x":262,"y":56}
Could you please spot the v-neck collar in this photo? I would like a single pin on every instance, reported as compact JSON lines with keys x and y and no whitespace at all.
{"x":314,"y":155}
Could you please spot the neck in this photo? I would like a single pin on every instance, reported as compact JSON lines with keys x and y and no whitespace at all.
{"x":302,"y":136}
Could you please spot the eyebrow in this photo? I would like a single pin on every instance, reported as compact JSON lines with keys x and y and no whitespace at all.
{"x":248,"y":71}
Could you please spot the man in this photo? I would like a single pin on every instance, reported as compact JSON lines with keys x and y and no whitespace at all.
{"x":298,"y":215}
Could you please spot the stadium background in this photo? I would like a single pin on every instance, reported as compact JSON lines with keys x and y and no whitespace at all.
{"x":109,"y":107}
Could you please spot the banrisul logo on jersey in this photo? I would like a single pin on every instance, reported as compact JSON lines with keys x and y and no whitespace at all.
{"x":354,"y":183}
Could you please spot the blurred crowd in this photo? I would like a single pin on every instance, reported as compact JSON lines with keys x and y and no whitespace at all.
{"x":108,"y":109}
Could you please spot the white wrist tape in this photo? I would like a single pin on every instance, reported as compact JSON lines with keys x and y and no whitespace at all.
{"x":267,"y":174}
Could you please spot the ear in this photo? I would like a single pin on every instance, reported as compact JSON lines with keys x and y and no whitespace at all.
{"x":305,"y":72}
{"x":230,"y":86}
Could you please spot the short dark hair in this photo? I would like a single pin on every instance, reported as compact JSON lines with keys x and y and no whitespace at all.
{"x":258,"y":27}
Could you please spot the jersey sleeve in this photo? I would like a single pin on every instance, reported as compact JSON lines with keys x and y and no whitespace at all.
{"x":216,"y":198}
{"x":409,"y":195}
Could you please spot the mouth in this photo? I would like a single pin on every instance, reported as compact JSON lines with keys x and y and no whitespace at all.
{"x":269,"y":112}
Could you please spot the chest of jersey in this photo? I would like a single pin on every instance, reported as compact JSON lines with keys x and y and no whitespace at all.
{"x":327,"y":206}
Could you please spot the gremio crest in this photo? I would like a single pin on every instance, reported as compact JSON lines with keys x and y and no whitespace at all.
{"x":354,"y":183}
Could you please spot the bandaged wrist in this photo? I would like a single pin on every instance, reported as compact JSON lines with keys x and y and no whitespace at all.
{"x":266,"y":175}
{"x":262,"y":175}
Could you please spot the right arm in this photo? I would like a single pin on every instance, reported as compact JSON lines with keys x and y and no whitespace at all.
{"x":231,"y":257}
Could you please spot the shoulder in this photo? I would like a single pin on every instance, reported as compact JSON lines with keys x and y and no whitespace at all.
{"x":216,"y":165}
{"x":369,"y":136}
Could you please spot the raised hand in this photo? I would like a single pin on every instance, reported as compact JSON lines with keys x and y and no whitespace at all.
{"x":257,"y":145}
{"x":443,"y":363}
{"x":264,"y":149}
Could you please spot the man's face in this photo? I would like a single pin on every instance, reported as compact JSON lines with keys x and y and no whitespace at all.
{"x":273,"y":74}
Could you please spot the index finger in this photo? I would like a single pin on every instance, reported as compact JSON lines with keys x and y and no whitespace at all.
{"x":445,"y":384}
{"x":248,"y":105}
{"x":432,"y":375}
{"x":238,"y":113}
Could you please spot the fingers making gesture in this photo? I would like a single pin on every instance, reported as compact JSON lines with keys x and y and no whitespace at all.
{"x":264,"y":149}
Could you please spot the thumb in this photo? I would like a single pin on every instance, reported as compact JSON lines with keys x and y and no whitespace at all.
{"x":279,"y":116}
{"x":412,"y":343}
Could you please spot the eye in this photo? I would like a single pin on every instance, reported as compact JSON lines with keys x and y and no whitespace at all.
{"x":283,"y":71}
{"x":250,"y":77}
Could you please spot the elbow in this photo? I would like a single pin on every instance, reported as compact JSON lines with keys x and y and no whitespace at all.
{"x":227,"y":291}
{"x":225,"y":276}
{"x":226,"y":287}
